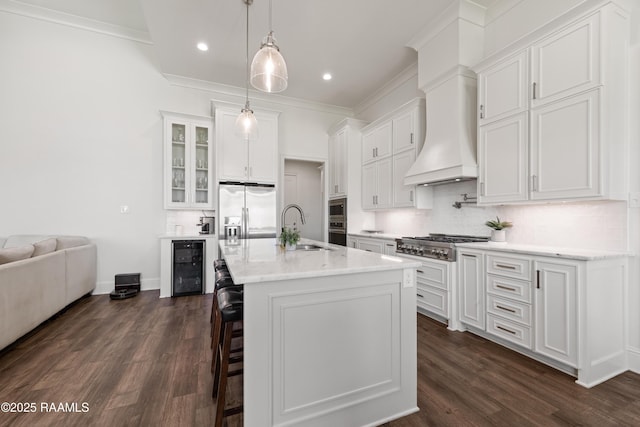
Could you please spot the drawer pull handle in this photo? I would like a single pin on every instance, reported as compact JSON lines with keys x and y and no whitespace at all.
{"x":506,"y":330}
{"x":510,"y":267}
{"x":420,"y":271}
{"x":505,"y":288}
{"x":505,"y":309}
{"x":420,"y":295}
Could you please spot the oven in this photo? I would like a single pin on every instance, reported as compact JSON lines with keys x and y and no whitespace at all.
{"x":338,"y":221}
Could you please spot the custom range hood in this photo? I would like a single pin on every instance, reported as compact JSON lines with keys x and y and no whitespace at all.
{"x":444,"y":53}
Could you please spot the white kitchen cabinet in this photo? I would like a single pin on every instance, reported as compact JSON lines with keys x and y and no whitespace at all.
{"x":406,"y":129}
{"x":471,"y":294}
{"x":390,"y":248}
{"x":565,"y":148}
{"x":371,"y":245}
{"x":502,"y":89}
{"x":376,"y":142}
{"x":344,"y":162}
{"x":503,"y":156}
{"x":565,"y":310}
{"x":338,"y":164}
{"x":575,"y":146}
{"x":377,"y":184}
{"x":384,"y":188}
{"x":508,"y":298}
{"x":403,"y":195}
{"x":242,"y":160}
{"x":188,"y":162}
{"x":352,"y":242}
{"x":556,"y":316}
{"x":566,"y":62}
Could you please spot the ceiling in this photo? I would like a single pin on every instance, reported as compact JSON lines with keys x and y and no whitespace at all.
{"x":362,"y":43}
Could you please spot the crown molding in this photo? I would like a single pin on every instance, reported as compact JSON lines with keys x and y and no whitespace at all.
{"x":408,"y":73}
{"x":66,"y":19}
{"x":463,"y":10}
{"x":266,"y":101}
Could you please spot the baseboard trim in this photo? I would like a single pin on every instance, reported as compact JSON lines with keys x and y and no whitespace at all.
{"x":107,"y":287}
{"x":634,"y":359}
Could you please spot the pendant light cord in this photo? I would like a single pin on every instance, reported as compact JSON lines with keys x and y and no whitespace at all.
{"x":270,"y":17}
{"x":246,"y":83}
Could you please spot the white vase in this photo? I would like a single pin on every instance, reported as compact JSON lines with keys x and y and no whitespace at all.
{"x":498,"y":236}
{"x":290,"y":247}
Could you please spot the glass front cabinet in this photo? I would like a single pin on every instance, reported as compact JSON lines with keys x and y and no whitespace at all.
{"x":188,"y":158}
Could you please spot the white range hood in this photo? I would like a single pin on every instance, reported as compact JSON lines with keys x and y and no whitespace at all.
{"x":448,"y":46}
{"x":449,"y":151}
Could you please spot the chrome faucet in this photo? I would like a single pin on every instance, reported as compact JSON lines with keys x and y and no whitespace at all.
{"x":286,"y":208}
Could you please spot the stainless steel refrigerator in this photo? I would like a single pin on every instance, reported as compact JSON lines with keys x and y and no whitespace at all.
{"x":246,"y":211}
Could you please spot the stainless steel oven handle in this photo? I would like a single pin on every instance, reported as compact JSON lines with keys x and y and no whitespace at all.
{"x":337,"y":231}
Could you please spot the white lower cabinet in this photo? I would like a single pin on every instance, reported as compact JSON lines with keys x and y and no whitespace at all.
{"x":556,"y":320}
{"x":371,"y":245}
{"x":384,"y":246}
{"x":471,"y":293}
{"x":566,"y":312}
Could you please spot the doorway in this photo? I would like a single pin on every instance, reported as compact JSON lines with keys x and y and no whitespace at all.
{"x":303,"y":186}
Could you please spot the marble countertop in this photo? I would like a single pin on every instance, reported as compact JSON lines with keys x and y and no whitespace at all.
{"x":257,"y":260}
{"x":385,"y":236}
{"x":187,"y":236}
{"x":569,"y":253}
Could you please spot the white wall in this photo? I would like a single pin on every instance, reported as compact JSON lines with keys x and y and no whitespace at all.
{"x":82,"y":135}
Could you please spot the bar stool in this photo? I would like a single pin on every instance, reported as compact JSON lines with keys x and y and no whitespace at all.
{"x":223,"y":280}
{"x":230,"y":312}
{"x":219,"y":264}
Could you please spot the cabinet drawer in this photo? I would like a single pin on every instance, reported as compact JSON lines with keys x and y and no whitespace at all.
{"x":509,"y":309}
{"x":511,"y":288}
{"x":433,"y":274}
{"x":519,"y":268}
{"x":433,"y":299}
{"x":510,"y":331}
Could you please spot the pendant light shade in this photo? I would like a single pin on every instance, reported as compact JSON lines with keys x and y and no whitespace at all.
{"x":246,"y":126}
{"x":268,"y":69}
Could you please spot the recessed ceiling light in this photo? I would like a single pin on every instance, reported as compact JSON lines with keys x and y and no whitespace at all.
{"x":203,"y":46}
{"x":327,"y":76}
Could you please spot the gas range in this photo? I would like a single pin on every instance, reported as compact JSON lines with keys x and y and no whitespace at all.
{"x":438,"y":246}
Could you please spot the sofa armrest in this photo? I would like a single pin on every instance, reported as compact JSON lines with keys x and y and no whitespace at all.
{"x":81,"y":271}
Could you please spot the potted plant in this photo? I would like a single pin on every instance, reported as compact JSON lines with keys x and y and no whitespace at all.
{"x":289,"y":238}
{"x":498,"y":229}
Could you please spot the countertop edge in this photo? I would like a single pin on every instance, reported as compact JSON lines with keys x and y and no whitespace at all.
{"x":548,"y":251}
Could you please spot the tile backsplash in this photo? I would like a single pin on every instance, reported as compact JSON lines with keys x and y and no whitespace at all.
{"x":187,"y":220}
{"x":588,"y":225}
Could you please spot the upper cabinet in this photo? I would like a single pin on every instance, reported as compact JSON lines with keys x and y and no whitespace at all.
{"x":389,"y":148}
{"x":566,"y":62}
{"x":344,"y":160}
{"x":242,"y":160}
{"x":502,"y":89}
{"x":188,"y":162}
{"x":552,"y":116}
{"x":376,"y":142}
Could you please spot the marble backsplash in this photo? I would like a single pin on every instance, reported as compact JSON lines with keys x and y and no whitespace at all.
{"x":588,"y":225}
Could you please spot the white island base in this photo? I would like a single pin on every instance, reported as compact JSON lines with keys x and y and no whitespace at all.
{"x":334,"y":348}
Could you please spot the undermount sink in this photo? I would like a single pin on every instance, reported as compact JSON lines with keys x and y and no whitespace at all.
{"x":309,"y":247}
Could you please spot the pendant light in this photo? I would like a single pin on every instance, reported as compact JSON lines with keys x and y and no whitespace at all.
{"x":268,"y":69}
{"x":246,"y":125}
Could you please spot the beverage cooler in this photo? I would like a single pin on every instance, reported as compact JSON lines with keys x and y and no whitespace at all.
{"x":187,"y":268}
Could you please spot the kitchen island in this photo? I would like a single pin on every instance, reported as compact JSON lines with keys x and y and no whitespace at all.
{"x":329,"y":334}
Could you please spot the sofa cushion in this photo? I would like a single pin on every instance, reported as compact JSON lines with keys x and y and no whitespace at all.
{"x":66,"y":242}
{"x":19,"y":240}
{"x":45,"y":246}
{"x":15,"y":254}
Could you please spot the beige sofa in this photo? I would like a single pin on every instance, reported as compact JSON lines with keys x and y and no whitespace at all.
{"x":39,"y":276}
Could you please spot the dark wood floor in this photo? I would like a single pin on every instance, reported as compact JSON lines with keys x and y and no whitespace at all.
{"x":145,"y":361}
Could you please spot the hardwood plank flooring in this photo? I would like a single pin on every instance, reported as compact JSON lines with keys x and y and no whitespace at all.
{"x":146,"y":361}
